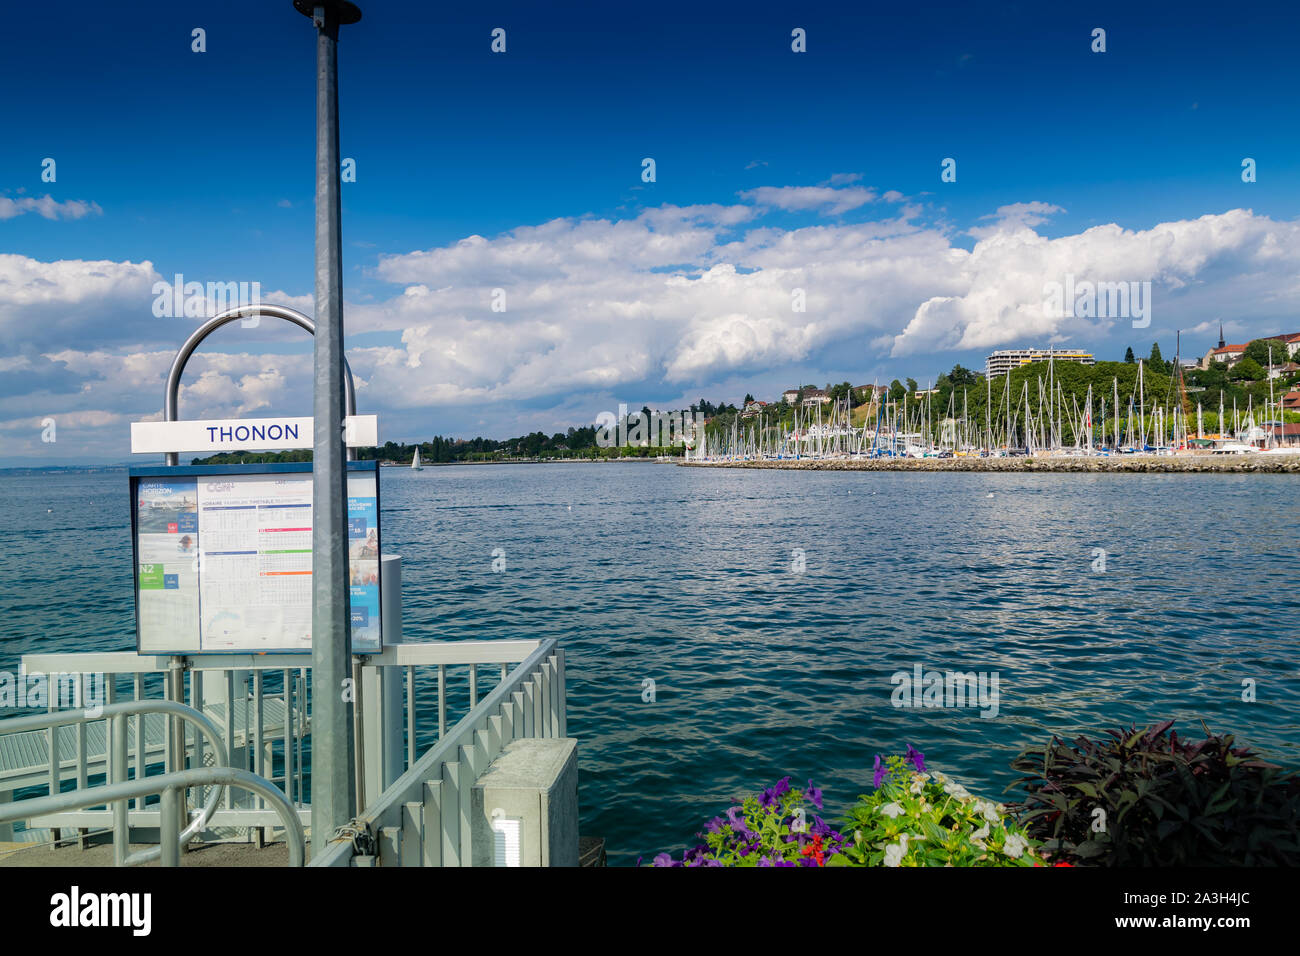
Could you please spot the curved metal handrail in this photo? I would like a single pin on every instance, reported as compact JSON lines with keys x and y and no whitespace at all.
{"x":172,"y":396}
{"x":215,"y":777}
{"x":111,"y":712}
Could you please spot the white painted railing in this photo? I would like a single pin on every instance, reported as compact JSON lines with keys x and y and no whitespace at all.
{"x":262,"y":705}
{"x":118,"y":789}
{"x":423,"y":817}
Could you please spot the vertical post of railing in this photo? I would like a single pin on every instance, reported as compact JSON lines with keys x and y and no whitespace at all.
{"x":562,"y":728}
{"x":175,"y":727}
{"x":442,"y":701}
{"x":81,"y":750}
{"x":196,"y":701}
{"x":333,"y":762}
{"x":169,"y":830}
{"x":139,"y":737}
{"x":410,"y":715}
{"x":302,"y":728}
{"x":255,"y":745}
{"x":390,"y":616}
{"x":286,"y":679}
{"x":55,"y":764}
{"x":473,"y":685}
{"x":359,"y":698}
{"x":229,"y":798}
{"x":117,"y":750}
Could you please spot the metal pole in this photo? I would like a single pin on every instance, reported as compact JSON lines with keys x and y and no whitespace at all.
{"x":333,"y":768}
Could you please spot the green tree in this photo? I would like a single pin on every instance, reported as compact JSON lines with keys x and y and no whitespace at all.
{"x":1128,"y":356}
{"x":1247,"y":370}
{"x":896,"y":390}
{"x":911,"y":386}
{"x":1261,"y":350}
{"x":962,"y":376}
{"x":1155,"y":362}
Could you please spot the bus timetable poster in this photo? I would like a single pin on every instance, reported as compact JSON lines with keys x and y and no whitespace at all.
{"x":224,"y":562}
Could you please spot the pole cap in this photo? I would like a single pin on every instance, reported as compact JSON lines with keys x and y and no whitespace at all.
{"x":344,"y":11}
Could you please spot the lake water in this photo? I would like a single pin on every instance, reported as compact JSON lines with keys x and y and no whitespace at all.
{"x":689,"y":577}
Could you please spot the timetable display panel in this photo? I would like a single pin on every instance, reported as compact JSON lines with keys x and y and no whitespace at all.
{"x":224,"y":559}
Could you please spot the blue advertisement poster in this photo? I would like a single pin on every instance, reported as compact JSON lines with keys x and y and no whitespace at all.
{"x":363,"y":568}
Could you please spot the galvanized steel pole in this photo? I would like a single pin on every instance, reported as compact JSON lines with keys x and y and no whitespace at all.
{"x":332,"y":758}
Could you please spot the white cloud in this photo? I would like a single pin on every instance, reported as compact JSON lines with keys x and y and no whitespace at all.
{"x":48,"y":207}
{"x":807,"y":198}
{"x":1016,"y":215}
{"x":1235,"y":259}
{"x":672,"y":301}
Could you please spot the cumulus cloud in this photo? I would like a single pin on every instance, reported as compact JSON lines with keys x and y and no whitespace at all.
{"x":671,"y":301}
{"x":1015,"y":216}
{"x":48,"y":207}
{"x":828,"y":199}
{"x":1234,"y":259}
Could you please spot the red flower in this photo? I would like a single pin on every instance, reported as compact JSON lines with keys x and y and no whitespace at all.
{"x":815,"y":850}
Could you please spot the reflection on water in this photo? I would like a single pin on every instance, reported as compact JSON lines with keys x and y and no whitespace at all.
{"x":687,"y":577}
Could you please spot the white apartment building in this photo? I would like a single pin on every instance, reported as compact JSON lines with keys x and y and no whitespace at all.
{"x":1004,"y":360}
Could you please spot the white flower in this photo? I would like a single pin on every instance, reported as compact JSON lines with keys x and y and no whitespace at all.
{"x":918,"y":785}
{"x":956,"y":790}
{"x":895,"y":852}
{"x":979,"y":836}
{"x":892,"y":810}
{"x":987,"y":810}
{"x":1015,"y":845}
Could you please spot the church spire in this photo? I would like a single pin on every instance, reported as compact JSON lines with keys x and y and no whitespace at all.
{"x":1221,"y":342}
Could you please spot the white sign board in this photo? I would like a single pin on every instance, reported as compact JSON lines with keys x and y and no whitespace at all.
{"x":245,"y":434}
{"x":224,"y":561}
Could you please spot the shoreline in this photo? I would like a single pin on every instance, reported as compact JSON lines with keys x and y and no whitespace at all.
{"x":1130,"y":464}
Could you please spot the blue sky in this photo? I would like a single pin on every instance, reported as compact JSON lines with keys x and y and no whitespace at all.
{"x":202,"y":163}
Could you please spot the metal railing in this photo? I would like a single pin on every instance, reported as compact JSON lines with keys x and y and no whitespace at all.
{"x":171,"y":786}
{"x":261,"y":703}
{"x":423,"y":817}
{"x":407,"y":698}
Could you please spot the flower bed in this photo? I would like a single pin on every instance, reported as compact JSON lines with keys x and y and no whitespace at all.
{"x":914,"y":818}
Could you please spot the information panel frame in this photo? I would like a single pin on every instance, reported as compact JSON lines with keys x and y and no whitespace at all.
{"x":172,"y":556}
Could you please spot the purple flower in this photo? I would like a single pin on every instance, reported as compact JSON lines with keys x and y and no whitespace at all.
{"x":814,"y":795}
{"x":663,"y":859}
{"x":768,"y":798}
{"x":714,"y":825}
{"x":881,"y":772}
{"x":695,"y":853}
{"x":820,"y":827}
{"x":738,"y":825}
{"x":917,"y":758}
{"x":782,"y":787}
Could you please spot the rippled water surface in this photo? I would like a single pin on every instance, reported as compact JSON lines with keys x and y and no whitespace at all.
{"x":686,"y":577}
